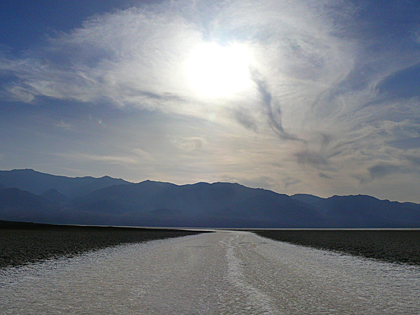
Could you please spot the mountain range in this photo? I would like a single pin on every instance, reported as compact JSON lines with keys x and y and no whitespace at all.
{"x":31,"y":196}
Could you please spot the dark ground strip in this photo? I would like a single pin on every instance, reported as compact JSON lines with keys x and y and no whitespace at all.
{"x":401,"y":246}
{"x":22,"y":243}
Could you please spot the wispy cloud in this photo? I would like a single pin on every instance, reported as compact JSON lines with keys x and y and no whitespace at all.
{"x":107,"y":159}
{"x":63,"y":125}
{"x":144,"y":155}
{"x":188,"y":143}
{"x":381,"y":170}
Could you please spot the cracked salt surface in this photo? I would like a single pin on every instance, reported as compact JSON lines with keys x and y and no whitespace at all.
{"x":215,"y":273}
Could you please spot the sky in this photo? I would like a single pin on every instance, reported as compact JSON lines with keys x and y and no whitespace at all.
{"x":319,"y":97}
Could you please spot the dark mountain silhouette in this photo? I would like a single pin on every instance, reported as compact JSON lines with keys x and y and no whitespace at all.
{"x":89,"y":200}
{"x":363,"y":211}
{"x":55,"y":197}
{"x":312,"y":200}
{"x":23,"y":206}
{"x":38,"y":183}
{"x":202,"y":204}
{"x":19,"y":205}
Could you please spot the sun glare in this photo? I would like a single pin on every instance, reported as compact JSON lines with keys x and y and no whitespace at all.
{"x":216,"y":71}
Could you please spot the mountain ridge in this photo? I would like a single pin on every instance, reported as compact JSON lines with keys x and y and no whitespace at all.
{"x":37,"y":182}
{"x":112,"y":201}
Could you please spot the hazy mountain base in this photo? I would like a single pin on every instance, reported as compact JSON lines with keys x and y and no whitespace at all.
{"x":30,"y":196}
{"x":22,"y":243}
{"x":402,"y":246}
{"x":38,"y":183}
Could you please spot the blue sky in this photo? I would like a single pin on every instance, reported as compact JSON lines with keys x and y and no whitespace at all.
{"x":318,"y":97}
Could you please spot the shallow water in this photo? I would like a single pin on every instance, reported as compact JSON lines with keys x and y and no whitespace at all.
{"x":217,"y":273}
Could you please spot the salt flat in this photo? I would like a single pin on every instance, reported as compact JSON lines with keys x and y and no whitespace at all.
{"x":225,"y":272}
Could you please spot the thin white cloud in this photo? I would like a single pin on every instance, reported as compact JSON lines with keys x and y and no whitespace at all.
{"x":144,"y":155}
{"x":63,"y":125}
{"x":106,"y":159}
{"x":188,"y":143}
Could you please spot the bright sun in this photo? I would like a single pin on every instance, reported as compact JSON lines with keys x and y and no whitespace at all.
{"x":216,"y":71}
